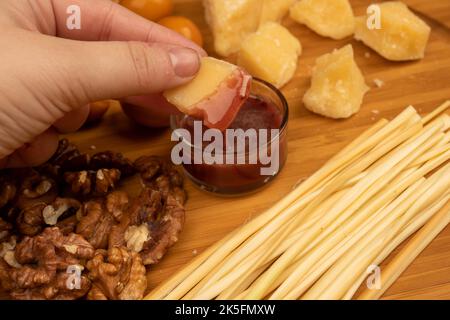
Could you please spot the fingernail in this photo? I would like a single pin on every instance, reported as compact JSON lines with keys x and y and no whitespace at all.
{"x":185,"y":62}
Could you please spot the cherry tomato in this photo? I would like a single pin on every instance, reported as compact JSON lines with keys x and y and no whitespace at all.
{"x":150,"y":9}
{"x":151,"y":110}
{"x":183,"y":26}
{"x":98,"y":109}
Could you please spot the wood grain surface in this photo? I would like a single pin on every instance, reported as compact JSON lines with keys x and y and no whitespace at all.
{"x":312,"y":140}
{"x":439,"y":10}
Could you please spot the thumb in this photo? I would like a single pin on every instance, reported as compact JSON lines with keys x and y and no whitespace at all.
{"x":107,"y":70}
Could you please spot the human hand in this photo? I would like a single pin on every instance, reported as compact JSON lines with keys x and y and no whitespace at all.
{"x":49,"y":74}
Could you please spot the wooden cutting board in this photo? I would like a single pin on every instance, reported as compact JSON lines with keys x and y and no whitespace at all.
{"x":312,"y":140}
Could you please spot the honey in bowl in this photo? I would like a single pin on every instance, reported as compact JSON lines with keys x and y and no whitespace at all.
{"x":245,"y":156}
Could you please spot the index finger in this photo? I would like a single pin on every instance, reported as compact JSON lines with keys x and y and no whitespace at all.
{"x":104,"y":20}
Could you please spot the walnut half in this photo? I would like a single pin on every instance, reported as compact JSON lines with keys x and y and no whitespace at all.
{"x":136,"y":236}
{"x":95,"y":223}
{"x":96,"y":183}
{"x":42,"y":264}
{"x":8,"y":254}
{"x":117,"y":274}
{"x":162,"y":216}
{"x":60,"y":207}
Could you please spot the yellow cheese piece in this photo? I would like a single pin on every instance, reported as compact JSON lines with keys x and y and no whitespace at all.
{"x":275,"y":10}
{"x":271,"y":54}
{"x":329,"y":18}
{"x":403,"y":36}
{"x":212,"y":73}
{"x":231,"y":21}
{"x":337,"y":85}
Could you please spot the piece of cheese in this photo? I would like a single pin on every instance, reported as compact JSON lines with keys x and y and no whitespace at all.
{"x":271,"y":54}
{"x":329,"y":18}
{"x":403,"y":36}
{"x":337,"y":85}
{"x":215,"y":95}
{"x":275,"y":10}
{"x":231,"y":21}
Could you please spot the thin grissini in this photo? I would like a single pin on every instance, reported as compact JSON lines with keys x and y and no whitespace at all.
{"x":292,"y":210}
{"x":276,"y":246}
{"x":347,"y":271}
{"x":412,"y":249}
{"x":305,"y":241}
{"x":352,"y":241}
{"x":352,"y":199}
{"x":417,"y":223}
{"x":311,"y":276}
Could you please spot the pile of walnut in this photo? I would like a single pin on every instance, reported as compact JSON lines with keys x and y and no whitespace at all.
{"x":67,"y":233}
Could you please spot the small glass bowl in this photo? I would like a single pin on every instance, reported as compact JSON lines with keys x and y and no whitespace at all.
{"x":238,"y":178}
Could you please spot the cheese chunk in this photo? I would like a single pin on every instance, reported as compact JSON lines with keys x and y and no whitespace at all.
{"x":271,"y":54}
{"x":231,"y":21}
{"x":337,"y":85}
{"x":403,"y":36}
{"x":275,"y":10}
{"x":215,"y":95}
{"x":329,"y":18}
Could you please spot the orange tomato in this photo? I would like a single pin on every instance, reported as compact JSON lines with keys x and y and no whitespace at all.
{"x":150,"y":9}
{"x":98,"y":109}
{"x":183,"y":26}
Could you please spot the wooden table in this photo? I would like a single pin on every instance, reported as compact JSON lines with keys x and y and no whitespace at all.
{"x":312,"y":140}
